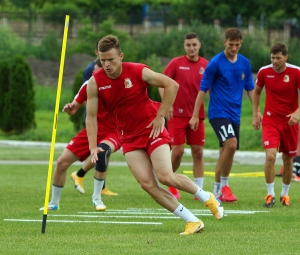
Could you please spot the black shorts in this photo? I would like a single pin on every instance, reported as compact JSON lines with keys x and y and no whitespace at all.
{"x":225,"y":129}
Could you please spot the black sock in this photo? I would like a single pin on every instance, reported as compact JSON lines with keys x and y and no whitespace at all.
{"x":81,"y":173}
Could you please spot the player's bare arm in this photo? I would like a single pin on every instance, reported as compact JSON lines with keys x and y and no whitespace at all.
{"x":170,"y":90}
{"x":170,"y":113}
{"x":71,"y":108}
{"x":256,"y":114}
{"x":194,"y":121}
{"x":91,"y":118}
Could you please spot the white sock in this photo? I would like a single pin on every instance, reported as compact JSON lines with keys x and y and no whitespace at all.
{"x":56,"y":193}
{"x":216,"y":188}
{"x":224,"y":181}
{"x":185,"y":214}
{"x":285,"y":190}
{"x":202,"y":195}
{"x":199,"y":182}
{"x":98,"y":185}
{"x":270,"y":188}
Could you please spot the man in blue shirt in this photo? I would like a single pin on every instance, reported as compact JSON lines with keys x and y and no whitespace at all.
{"x":226,"y":76}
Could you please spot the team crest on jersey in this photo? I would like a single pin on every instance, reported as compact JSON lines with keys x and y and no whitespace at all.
{"x":243,"y":76}
{"x":286,"y":78}
{"x":201,"y":70}
{"x":128,"y":83}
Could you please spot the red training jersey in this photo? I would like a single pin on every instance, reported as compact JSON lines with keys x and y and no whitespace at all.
{"x":103,"y":119}
{"x":126,"y":100}
{"x":281,"y":92}
{"x":188,"y":75}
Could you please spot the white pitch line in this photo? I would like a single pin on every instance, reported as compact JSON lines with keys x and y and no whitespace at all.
{"x":113,"y":216}
{"x":87,"y":221}
{"x":86,"y":214}
{"x":126,"y":212}
{"x":158,"y":212}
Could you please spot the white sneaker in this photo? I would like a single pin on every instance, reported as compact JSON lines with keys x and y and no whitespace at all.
{"x":51,"y":207}
{"x":98,"y":204}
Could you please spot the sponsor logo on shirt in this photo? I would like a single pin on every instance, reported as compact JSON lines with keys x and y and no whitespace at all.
{"x":155,"y":141}
{"x":243,"y":76}
{"x":184,"y":68}
{"x":270,"y":76}
{"x":268,"y":113}
{"x":201,"y":70}
{"x":180,"y":110}
{"x":105,"y":87}
{"x":128,"y":83}
{"x":286,"y":78}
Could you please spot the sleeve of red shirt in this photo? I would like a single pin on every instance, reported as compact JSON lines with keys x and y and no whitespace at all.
{"x":260,"y":79}
{"x":81,"y":96}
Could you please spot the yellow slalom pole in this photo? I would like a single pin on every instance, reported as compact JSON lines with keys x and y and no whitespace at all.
{"x":61,"y":69}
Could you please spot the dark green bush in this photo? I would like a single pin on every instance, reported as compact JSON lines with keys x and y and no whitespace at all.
{"x":294,"y":53}
{"x":255,"y":49}
{"x":11,"y":44}
{"x":4,"y":84}
{"x":19,"y":108}
{"x":171,"y":44}
{"x":49,"y":48}
{"x":87,"y":37}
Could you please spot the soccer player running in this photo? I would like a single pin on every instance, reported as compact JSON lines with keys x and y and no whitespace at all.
{"x":226,"y":76}
{"x":187,"y":71}
{"x":78,"y":176}
{"x":78,"y":149}
{"x":122,"y":90}
{"x":280,"y":120}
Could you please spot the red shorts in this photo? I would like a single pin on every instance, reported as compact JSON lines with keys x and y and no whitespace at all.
{"x":181,"y":133}
{"x":281,"y":136}
{"x":79,"y":144}
{"x":145,"y":143}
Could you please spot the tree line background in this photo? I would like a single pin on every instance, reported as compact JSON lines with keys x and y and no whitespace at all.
{"x":274,"y":11}
{"x":162,"y":24}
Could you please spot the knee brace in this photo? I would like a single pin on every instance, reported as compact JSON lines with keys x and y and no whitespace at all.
{"x":102,"y":162}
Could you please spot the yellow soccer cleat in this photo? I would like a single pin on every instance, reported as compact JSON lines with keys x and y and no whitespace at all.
{"x":78,"y":182}
{"x":107,"y":192}
{"x":215,"y":207}
{"x":192,"y":228}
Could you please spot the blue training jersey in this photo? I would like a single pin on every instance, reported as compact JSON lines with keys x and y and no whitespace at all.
{"x":88,"y":71}
{"x":226,"y":82}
